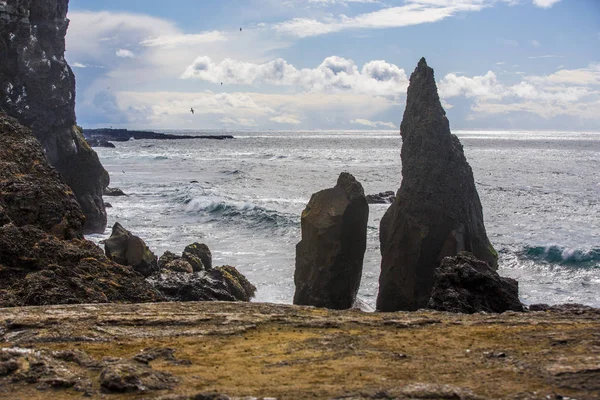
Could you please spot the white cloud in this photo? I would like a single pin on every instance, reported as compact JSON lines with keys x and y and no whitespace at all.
{"x":545,"y":56}
{"x":184,"y":40}
{"x":415,"y":12}
{"x":373,"y":124}
{"x":124,"y":53}
{"x":332,"y":75}
{"x":566,"y":92}
{"x":535,"y":43}
{"x":545,"y":3}
{"x":78,"y":65}
{"x":286,"y":119}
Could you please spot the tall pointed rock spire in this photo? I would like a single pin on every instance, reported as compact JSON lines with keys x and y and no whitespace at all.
{"x":437,"y":212}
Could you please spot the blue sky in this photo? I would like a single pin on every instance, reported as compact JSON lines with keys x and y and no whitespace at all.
{"x":334,"y":64}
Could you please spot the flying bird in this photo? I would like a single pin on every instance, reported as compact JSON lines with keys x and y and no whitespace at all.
{"x":192,"y":110}
{"x":240,"y":29}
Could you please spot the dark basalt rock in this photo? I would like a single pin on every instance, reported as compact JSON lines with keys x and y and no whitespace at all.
{"x":38,"y":88}
{"x":217,"y":284}
{"x":329,"y":259}
{"x":437,"y":211}
{"x":198,"y":251}
{"x":464,"y":284}
{"x":381,"y":198}
{"x":127,"y":249}
{"x":100,"y":143}
{"x":31,"y":191}
{"x":113,"y":192}
{"x":179,"y":265}
{"x":166,"y":258}
{"x":43,"y":257}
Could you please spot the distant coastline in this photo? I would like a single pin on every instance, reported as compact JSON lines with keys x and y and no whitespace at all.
{"x":123,"y":135}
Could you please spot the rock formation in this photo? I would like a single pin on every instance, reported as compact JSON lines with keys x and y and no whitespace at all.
{"x":464,"y":284}
{"x":198,"y":251}
{"x":43,"y":257}
{"x":191,"y":277}
{"x":127,"y":249}
{"x":329,"y":259}
{"x":37,"y":87}
{"x":381,"y":198}
{"x":224,"y":283}
{"x":437,"y":211}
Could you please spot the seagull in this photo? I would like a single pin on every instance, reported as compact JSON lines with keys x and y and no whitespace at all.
{"x":192,"y":110}
{"x":240,"y":29}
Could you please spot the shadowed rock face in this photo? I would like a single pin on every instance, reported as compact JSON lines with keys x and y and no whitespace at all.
{"x":37,"y":87}
{"x":127,"y":249}
{"x":437,"y":212}
{"x":43,"y":257}
{"x":329,"y":259}
{"x":464,"y":284}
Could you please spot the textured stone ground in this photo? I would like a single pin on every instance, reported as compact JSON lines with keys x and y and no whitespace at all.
{"x":288,"y":352}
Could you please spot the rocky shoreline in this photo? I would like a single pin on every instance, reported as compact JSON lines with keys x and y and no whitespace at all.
{"x":198,"y":350}
{"x":468,"y":335}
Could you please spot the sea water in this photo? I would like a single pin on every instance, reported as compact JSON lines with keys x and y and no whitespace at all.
{"x":540,"y":193}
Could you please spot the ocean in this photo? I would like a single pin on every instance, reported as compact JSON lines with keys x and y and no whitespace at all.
{"x":540,"y":193}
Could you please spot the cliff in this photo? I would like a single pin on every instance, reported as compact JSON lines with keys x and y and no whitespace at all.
{"x":43,"y":256}
{"x":177,"y":351}
{"x":37,"y":87}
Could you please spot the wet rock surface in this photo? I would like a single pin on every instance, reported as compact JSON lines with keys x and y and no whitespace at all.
{"x":177,"y":283}
{"x":329,"y":258}
{"x":39,"y":90}
{"x":464,"y":284}
{"x":234,"y":350}
{"x":113,"y":192}
{"x":381,"y":198}
{"x":43,"y":257}
{"x":127,"y":249}
{"x":437,"y":211}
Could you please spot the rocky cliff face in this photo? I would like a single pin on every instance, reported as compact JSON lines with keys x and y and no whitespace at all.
{"x":437,"y":211}
{"x":37,"y":87}
{"x":43,"y":256}
{"x":329,"y":259}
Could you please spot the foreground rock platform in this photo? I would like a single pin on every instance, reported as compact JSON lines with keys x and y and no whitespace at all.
{"x":179,"y":350}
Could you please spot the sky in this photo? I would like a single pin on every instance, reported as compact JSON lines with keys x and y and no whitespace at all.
{"x":333,"y":64}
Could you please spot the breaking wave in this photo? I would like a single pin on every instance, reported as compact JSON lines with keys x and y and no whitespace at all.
{"x":249,"y":214}
{"x":563,"y":255}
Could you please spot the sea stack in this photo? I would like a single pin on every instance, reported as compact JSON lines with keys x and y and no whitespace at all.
{"x":38,"y":88}
{"x":437,"y":211}
{"x":329,"y":258}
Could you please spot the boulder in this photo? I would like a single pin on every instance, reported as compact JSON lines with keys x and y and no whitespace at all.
{"x":113,"y":192}
{"x":329,"y":258}
{"x":39,"y":90}
{"x":166,"y":258}
{"x":43,"y":256}
{"x":178,"y":265}
{"x":464,"y":284}
{"x":217,"y":284}
{"x":381,"y":198}
{"x":437,"y":211}
{"x":127,"y":249}
{"x":198,"y":251}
